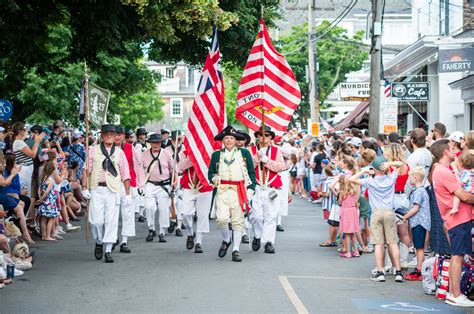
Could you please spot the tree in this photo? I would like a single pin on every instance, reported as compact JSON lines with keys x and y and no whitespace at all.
{"x":44,"y":45}
{"x":337,"y":54}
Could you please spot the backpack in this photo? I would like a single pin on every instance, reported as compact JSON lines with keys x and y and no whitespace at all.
{"x":428,"y":274}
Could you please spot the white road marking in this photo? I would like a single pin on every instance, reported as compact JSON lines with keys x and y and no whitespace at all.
{"x":292,"y":296}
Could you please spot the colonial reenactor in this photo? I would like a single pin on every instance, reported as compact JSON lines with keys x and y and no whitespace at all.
{"x":108,"y":168}
{"x":232,"y":173}
{"x":197,"y":198}
{"x":158,"y":166}
{"x":244,"y":144}
{"x":176,"y":202}
{"x":137,"y":185}
{"x":141,"y":140}
{"x":165,"y":133}
{"x":268,"y":161}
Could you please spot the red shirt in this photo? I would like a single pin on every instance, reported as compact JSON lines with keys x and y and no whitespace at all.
{"x":445,"y":183}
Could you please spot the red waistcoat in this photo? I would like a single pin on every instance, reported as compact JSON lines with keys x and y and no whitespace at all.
{"x":128,"y":150}
{"x":188,"y":176}
{"x":272,"y":178}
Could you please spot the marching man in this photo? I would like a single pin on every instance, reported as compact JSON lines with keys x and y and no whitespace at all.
{"x":232,"y":173}
{"x":141,"y":145}
{"x":268,"y":161}
{"x":107,"y":169}
{"x":197,"y":200}
{"x":172,"y":148}
{"x":158,"y":166}
{"x":137,"y":185}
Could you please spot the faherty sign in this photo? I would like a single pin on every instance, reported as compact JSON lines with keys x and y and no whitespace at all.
{"x":455,"y":60}
{"x":412,"y":91}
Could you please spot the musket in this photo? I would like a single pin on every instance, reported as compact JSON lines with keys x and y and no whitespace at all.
{"x":172,"y":207}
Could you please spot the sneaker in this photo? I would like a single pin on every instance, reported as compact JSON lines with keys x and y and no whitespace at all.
{"x":399,"y":276}
{"x":61,"y":232}
{"x":370,"y":249}
{"x":414,"y":276}
{"x":460,"y":300}
{"x":378,"y":277}
{"x":374,"y":271}
{"x":71,"y":228}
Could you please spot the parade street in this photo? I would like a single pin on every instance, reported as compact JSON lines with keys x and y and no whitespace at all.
{"x":165,"y":277}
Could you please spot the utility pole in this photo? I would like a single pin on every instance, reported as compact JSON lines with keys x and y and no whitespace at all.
{"x":375,"y":64}
{"x":313,"y":72}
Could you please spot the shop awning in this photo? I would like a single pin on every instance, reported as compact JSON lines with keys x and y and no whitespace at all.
{"x":357,"y":118}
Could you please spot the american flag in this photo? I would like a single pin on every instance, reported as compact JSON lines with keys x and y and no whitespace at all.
{"x":207,"y":115}
{"x":326,"y":125}
{"x":267,"y":82}
{"x":387,"y":89}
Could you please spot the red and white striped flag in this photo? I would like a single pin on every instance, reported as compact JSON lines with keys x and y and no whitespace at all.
{"x":326,"y":125}
{"x":267,"y":83}
{"x":207,"y":115}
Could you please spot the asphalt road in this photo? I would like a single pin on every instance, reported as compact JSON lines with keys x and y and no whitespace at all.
{"x":165,"y":277}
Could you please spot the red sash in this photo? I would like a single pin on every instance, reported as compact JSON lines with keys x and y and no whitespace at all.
{"x":241,"y":192}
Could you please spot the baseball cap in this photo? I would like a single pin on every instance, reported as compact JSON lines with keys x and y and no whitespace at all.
{"x":36,"y":128}
{"x":456,"y":136}
{"x":325,"y":161}
{"x":378,"y":161}
{"x":357,"y":142}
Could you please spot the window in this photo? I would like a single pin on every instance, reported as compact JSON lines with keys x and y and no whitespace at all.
{"x":169,"y":72}
{"x":176,"y":108}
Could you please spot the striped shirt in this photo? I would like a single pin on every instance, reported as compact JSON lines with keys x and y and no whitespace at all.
{"x":123,"y":165}
{"x":329,"y":200}
{"x":21,"y":158}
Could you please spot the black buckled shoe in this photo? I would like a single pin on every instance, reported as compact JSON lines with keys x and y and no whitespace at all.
{"x":190,"y":242}
{"x":115,"y":244}
{"x":179,"y":233}
{"x":173,"y":224}
{"x":245,"y":238}
{"x":269,"y":248}
{"x":99,"y":251}
{"x":236,"y":256}
{"x":223,"y":249}
{"x":151,"y":235}
{"x":256,"y":244}
{"x":124,"y":248}
{"x":280,"y":228}
{"x":141,"y":218}
{"x":198,"y":248}
{"x":161,"y":238}
{"x":108,"y":257}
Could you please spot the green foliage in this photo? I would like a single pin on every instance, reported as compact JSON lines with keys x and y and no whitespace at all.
{"x":232,"y":74}
{"x":337,"y":55}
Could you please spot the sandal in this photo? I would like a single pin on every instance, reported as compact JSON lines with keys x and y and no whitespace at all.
{"x":346,"y":255}
{"x":327,"y":244}
{"x":355,"y":254}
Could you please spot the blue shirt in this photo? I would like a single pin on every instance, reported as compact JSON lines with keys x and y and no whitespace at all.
{"x":420,"y":197}
{"x":381,"y":190}
{"x":13,"y":187}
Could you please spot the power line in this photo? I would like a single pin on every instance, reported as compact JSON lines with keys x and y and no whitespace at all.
{"x":347,"y":12}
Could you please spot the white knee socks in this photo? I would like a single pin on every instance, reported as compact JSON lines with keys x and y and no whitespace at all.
{"x":225,"y":234}
{"x":124,"y":239}
{"x":199,"y":237}
{"x":237,"y":239}
{"x":108,"y":247}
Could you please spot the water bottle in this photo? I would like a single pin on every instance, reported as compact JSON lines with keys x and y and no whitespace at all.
{"x":10,"y":271}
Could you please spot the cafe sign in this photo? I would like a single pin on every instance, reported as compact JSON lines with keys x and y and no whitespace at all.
{"x":412,"y":91}
{"x":455,"y":60}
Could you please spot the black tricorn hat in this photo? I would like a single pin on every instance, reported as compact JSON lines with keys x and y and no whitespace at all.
{"x":155,"y":138}
{"x":268,"y":130}
{"x":141,"y":131}
{"x":229,"y":131}
{"x":119,"y":129}
{"x":245,"y":135}
{"x":107,"y":128}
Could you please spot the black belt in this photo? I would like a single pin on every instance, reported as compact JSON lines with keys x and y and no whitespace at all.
{"x":102,"y":184}
{"x":399,"y":192}
{"x":160,"y":183}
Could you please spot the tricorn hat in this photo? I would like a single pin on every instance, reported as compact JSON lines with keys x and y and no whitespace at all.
{"x":107,"y":128}
{"x":245,"y":135}
{"x":229,"y":131}
{"x":119,"y":129}
{"x":155,"y":138}
{"x":268,"y":130}
{"x":141,"y":131}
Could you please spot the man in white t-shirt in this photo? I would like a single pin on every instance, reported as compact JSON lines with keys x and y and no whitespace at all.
{"x":421,"y":156}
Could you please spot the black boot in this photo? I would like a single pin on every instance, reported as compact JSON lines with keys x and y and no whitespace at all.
{"x":124,"y":248}
{"x":256,"y":244}
{"x":269,"y":248}
{"x":245,"y":238}
{"x":151,"y":235}
{"x":161,"y":238}
{"x":99,"y":251}
{"x":190,"y":242}
{"x":236,"y":256}
{"x":223,"y":249}
{"x":108,"y":257}
{"x":280,"y":228}
{"x":171,"y":227}
{"x":198,"y":248}
{"x":179,"y":233}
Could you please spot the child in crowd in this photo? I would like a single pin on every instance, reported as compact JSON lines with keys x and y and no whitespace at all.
{"x":349,"y":223}
{"x":367,"y":156}
{"x":48,"y":209}
{"x":465,"y":165}
{"x":294,"y":181}
{"x":383,"y":224}
{"x":419,"y":217}
{"x":328,"y":200}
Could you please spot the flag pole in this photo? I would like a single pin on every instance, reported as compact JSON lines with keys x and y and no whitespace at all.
{"x":262,"y":165}
{"x":86,"y":118}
